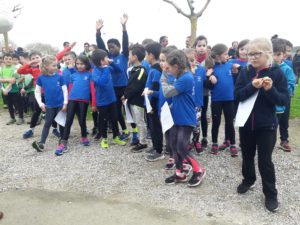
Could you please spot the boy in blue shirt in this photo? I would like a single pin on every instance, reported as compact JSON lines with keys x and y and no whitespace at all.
{"x":152,"y":90}
{"x":119,"y":65}
{"x":283,"y":112}
{"x":105,"y":97}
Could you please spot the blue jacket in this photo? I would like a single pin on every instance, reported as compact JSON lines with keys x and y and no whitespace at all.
{"x":120,"y":61}
{"x":199,"y":77}
{"x":263,"y":116}
{"x":290,"y":77}
{"x":105,"y":94}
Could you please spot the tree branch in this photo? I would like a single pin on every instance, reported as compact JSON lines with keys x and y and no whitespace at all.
{"x":17,"y":9}
{"x":179,"y":10}
{"x":203,"y":9}
{"x":192,"y":8}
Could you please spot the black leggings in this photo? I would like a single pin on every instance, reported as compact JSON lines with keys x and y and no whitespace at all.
{"x":263,"y":141}
{"x":80,"y":109}
{"x":49,"y":119}
{"x":119,"y":91}
{"x":204,"y":123}
{"x":179,"y":137}
{"x":14,"y":100}
{"x":108,"y":113}
{"x":216,"y":109}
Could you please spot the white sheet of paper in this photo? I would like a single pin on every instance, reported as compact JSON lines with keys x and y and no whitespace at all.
{"x":166,"y":118}
{"x":244,"y":110}
{"x":129,"y":117}
{"x":61,"y":118}
{"x":148,"y":105}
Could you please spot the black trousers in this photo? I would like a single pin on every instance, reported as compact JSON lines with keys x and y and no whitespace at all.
{"x":228,"y":109}
{"x":156,"y":131}
{"x":36,"y":114}
{"x":204,"y":123}
{"x":263,"y":141}
{"x":283,"y":120}
{"x":108,"y":113}
{"x":75,"y":108}
{"x":49,"y":119}
{"x":14,"y":100}
{"x":119,"y":91}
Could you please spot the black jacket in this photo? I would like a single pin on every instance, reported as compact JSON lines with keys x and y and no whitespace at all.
{"x":136,"y":85}
{"x":263,"y":115}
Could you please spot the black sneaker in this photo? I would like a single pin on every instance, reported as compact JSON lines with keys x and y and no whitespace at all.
{"x":139,"y":148}
{"x":97,"y":137}
{"x":154,"y":157}
{"x":176,"y":179}
{"x":196,"y":179}
{"x":56,"y":133}
{"x":243,"y":188}
{"x":271,"y":204}
{"x":38,"y":146}
{"x":94,"y":131}
{"x":150,"y":151}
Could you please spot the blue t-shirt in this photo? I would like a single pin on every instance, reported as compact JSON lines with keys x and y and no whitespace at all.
{"x":199,"y":77}
{"x":147,"y":65}
{"x":80,"y":86}
{"x":183,"y":105}
{"x":105,"y":94}
{"x":242,"y":63}
{"x":224,"y":88}
{"x":52,"y":85}
{"x":153,"y":77}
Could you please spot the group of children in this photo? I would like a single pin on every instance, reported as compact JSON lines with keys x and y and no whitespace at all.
{"x":110,"y":80}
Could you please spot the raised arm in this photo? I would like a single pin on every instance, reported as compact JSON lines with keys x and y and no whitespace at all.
{"x":125,"y":40}
{"x":99,"y":40}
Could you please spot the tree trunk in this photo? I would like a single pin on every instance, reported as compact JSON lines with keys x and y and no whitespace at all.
{"x":6,"y":41}
{"x":193,"y":20}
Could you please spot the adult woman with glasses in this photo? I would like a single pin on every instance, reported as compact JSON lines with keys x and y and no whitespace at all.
{"x":259,"y":131}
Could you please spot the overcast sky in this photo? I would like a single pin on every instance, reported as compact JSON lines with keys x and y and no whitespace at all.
{"x":56,"y":21}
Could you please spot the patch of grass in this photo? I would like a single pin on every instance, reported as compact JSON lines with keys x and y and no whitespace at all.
{"x":295,"y":104}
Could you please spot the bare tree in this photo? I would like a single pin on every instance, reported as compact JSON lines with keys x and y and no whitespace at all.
{"x":45,"y":49}
{"x":192,"y":16}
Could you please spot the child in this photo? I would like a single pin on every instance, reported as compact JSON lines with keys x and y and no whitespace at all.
{"x":56,"y":97}
{"x":33,"y":68}
{"x":119,"y":67}
{"x":201,"y":49}
{"x":241,"y":60}
{"x":184,"y":116}
{"x":153,"y":85}
{"x":279,"y":49}
{"x":133,"y":93}
{"x":69,"y":60}
{"x":199,"y":73}
{"x":222,"y":88}
{"x":105,"y":97}
{"x":9,"y":79}
{"x":259,"y":132}
{"x":81,"y":88}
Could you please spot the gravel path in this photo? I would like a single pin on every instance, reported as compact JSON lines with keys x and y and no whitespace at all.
{"x":118,"y":174}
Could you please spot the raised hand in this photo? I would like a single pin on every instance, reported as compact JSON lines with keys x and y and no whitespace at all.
{"x":124,"y":19}
{"x":99,"y":24}
{"x":72,"y":45}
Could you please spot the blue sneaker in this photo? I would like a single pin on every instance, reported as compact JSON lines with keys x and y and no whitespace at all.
{"x":84,"y":141}
{"x":135,"y":140}
{"x":60,"y":150}
{"x":28,"y":134}
{"x":56,"y":133}
{"x":124,"y":136}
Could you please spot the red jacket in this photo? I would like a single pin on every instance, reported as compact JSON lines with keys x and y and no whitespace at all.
{"x":27,"y":69}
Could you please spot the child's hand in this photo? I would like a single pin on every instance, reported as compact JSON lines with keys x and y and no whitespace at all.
{"x":64,"y":108}
{"x":22,"y":91}
{"x":73,"y":45}
{"x":5,"y":92}
{"x":110,"y":61}
{"x":124,"y":19}
{"x":257,"y":83}
{"x":213,"y":79}
{"x":267,"y":83}
{"x":209,"y":72}
{"x":43,"y":108}
{"x":99,"y":24}
{"x":94,"y":109}
{"x":235,"y":68}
